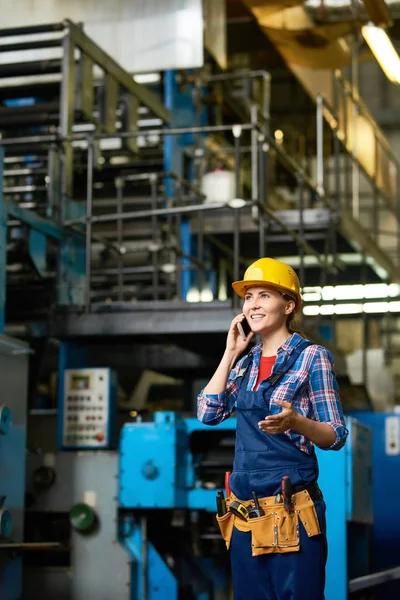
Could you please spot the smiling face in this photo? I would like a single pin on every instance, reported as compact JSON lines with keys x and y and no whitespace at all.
{"x":266,"y":309}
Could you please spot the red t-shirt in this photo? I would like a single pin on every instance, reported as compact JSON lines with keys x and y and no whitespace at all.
{"x":266,"y":364}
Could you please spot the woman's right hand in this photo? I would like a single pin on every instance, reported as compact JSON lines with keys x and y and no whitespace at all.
{"x":235,"y":344}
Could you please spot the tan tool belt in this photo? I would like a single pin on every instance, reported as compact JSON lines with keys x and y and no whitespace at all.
{"x":277,"y":530}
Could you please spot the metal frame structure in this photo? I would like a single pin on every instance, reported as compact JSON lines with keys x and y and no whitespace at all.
{"x":174,"y":208}
{"x":262,"y":211}
{"x":40,"y":229}
{"x":165,"y":448}
{"x":185,"y":222}
{"x":344,"y":119}
{"x":83,"y":67}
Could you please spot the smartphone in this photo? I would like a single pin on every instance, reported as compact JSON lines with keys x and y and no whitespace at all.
{"x":244,"y":329}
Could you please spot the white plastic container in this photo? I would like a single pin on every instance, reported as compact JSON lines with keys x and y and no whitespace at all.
{"x":218,"y":186}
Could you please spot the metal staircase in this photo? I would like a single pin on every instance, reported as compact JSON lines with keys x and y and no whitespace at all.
{"x":57,"y":90}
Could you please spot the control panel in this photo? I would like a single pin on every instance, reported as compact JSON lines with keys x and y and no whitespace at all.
{"x":88,"y":409}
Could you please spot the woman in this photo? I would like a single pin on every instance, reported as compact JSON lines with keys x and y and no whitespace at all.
{"x":285,"y":395}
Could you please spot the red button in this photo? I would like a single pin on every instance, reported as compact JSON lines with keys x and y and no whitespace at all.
{"x":99,"y":437}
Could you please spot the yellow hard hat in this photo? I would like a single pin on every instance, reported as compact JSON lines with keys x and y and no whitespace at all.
{"x":268,"y":271}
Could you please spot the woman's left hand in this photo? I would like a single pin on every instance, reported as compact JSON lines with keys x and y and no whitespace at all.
{"x":279,"y":423}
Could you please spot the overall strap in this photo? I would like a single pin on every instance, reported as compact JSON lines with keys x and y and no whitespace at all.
{"x":240,"y":377}
{"x":274,"y":379}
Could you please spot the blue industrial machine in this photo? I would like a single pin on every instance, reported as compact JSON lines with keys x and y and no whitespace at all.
{"x":14,"y":377}
{"x":346,"y":481}
{"x":87,"y":409}
{"x":386,"y":491}
{"x":174,"y":463}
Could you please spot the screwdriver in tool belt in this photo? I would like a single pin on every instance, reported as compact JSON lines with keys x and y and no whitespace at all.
{"x":227,"y":488}
{"x":287,"y":491}
{"x":221,"y":504}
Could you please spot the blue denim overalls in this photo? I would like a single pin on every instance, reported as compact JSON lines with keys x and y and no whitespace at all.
{"x":261,"y":460}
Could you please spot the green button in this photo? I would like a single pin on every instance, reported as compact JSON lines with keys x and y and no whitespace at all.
{"x":82,"y":518}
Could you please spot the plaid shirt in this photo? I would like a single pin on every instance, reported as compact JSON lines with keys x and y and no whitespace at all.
{"x":310,"y":385}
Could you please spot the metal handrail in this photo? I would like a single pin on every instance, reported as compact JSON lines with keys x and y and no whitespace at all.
{"x":295,"y":168}
{"x":258,"y":125}
{"x":365,"y":111}
{"x":321,"y":103}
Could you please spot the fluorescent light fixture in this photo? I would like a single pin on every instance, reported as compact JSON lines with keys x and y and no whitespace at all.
{"x":375,"y":290}
{"x":351,"y":309}
{"x":193,"y":295}
{"x":368,"y":291}
{"x":311,"y":297}
{"x":311,"y":311}
{"x":328,"y":293}
{"x":349,"y":258}
{"x":206,"y":295}
{"x":394,"y":290}
{"x":373,"y":307}
{"x":348,"y":309}
{"x":327,"y":309}
{"x":349,"y":292}
{"x":383,"y":50}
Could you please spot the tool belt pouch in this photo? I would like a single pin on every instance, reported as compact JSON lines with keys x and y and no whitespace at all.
{"x":309,"y":518}
{"x":226,"y":526}
{"x":279,"y":530}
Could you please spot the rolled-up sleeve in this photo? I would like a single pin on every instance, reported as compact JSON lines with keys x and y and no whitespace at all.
{"x":215,"y":408}
{"x":324,"y":396}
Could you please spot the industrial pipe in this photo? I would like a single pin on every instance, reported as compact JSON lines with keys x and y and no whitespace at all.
{"x":88,"y":220}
